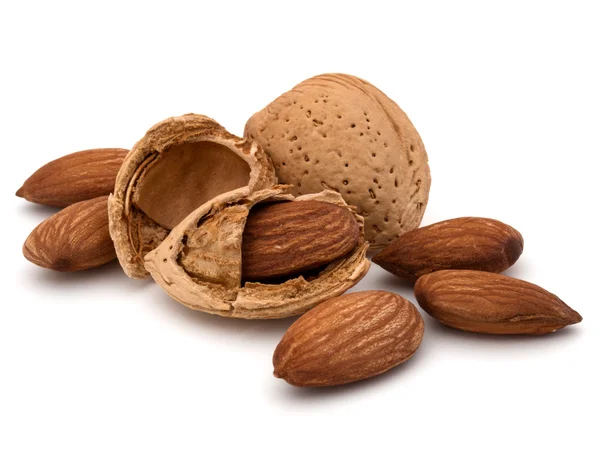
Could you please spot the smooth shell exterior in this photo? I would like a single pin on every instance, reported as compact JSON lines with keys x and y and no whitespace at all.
{"x":339,"y":132}
{"x":200,"y":264}
{"x":180,"y":164}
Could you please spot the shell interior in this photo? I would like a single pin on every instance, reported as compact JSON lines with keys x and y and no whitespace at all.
{"x":185,"y":176}
{"x":200,"y":263}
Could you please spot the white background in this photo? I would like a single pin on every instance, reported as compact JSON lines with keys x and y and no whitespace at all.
{"x":97,"y":366}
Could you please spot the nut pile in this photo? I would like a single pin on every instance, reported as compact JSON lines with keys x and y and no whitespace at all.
{"x":278,"y":224}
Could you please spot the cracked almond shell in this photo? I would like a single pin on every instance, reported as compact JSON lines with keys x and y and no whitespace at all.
{"x":180,"y":164}
{"x":199,"y":264}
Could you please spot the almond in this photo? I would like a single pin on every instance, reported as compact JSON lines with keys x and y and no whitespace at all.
{"x":200,"y":261}
{"x":349,"y":338}
{"x":491,"y":303}
{"x":76,"y":238}
{"x":285,"y":239}
{"x":340,"y":132}
{"x":180,"y":165}
{"x":470,"y":243}
{"x":76,"y":177}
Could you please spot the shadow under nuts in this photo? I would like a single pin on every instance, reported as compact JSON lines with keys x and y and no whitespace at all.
{"x":349,"y":338}
{"x":76,"y":238}
{"x":490,"y":303}
{"x":289,"y":238}
{"x":469,"y":243}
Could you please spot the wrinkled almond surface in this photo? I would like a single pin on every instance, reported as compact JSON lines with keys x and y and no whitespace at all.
{"x":490,"y":303}
{"x":289,"y":238}
{"x":76,"y":177}
{"x":76,"y":238}
{"x":349,"y":338}
{"x":471,"y":243}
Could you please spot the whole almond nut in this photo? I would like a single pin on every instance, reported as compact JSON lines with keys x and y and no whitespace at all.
{"x":349,"y":338}
{"x":76,"y":238}
{"x":470,"y":243}
{"x":76,"y":177}
{"x":491,"y":303}
{"x":339,"y":132}
{"x":289,"y":238}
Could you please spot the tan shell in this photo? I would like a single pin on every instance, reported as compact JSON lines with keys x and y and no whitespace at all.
{"x":339,"y":132}
{"x":199,"y":264}
{"x":180,"y":164}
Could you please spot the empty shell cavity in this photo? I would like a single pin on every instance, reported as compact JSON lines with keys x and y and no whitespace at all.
{"x":171,"y":189}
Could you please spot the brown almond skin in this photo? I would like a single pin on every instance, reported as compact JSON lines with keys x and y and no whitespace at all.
{"x":468,"y":243}
{"x":491,"y":303}
{"x":76,"y":238}
{"x":76,"y":177}
{"x":349,"y":338}
{"x":288,"y":238}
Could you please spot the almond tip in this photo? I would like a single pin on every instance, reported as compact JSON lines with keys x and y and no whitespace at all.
{"x":20,"y":193}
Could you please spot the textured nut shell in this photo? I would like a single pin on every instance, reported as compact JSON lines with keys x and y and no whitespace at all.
{"x":339,"y":132}
{"x":171,"y":132}
{"x":349,"y":338}
{"x":75,"y":177}
{"x":490,"y":303}
{"x":469,"y":243}
{"x":76,"y":238}
{"x":212,"y":282}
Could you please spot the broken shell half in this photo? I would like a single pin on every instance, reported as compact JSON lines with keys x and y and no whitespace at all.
{"x":179,"y":165}
{"x":200,"y":263}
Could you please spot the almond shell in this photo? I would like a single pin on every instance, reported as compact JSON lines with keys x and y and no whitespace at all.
{"x":180,"y":164}
{"x":199,"y":263}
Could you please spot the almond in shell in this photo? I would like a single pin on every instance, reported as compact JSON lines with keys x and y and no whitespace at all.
{"x":339,"y":132}
{"x":292,"y":237}
{"x":201,"y":262}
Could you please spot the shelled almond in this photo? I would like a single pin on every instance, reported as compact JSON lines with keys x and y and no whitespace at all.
{"x":74,"y":239}
{"x":490,"y":303}
{"x":473,"y":243}
{"x":349,"y":338}
{"x":75,"y":177}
